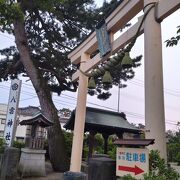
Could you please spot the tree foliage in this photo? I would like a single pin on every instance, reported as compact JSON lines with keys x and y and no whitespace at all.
{"x":53,"y":28}
{"x":65,"y":112}
{"x":45,"y":31}
{"x":173,"y":146}
{"x":159,"y":169}
{"x":119,"y":77}
{"x":174,"y":40}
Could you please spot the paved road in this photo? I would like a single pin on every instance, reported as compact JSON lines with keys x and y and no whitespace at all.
{"x":52,"y":176}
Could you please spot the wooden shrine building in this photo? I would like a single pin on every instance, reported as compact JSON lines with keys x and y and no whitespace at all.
{"x":35,"y":133}
{"x":104,"y":122}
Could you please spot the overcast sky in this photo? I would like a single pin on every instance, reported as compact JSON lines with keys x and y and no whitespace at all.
{"x":132,"y":97}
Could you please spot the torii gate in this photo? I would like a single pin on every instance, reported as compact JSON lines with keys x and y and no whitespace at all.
{"x":154,"y":100}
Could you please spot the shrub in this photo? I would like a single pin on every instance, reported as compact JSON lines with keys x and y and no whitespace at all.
{"x":18,"y":144}
{"x":98,"y":144}
{"x":68,"y":143}
{"x":159,"y":169}
{"x":173,"y":150}
{"x":2,"y":145}
{"x":178,"y":158}
{"x":128,"y":177}
{"x":111,"y":148}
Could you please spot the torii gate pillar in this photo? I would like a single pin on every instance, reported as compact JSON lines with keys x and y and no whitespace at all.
{"x":78,"y":134}
{"x":154,"y":97}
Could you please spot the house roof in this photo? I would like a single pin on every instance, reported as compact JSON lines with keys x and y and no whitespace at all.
{"x":135,"y":142}
{"x":103,"y":121}
{"x":38,"y":119}
{"x":28,"y":111}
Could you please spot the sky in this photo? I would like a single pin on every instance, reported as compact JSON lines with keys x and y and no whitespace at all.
{"x":131,"y":98}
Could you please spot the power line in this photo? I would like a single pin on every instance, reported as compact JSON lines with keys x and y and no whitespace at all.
{"x":139,"y":82}
{"x":129,"y":114}
{"x":73,"y":98}
{"x":177,"y":94}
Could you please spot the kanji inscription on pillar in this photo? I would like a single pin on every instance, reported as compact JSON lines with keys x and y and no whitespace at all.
{"x":10,"y":125}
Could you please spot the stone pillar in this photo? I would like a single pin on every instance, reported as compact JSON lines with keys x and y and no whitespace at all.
{"x":32,"y":163}
{"x":77,"y":146}
{"x":154,"y":97}
{"x":10,"y":164}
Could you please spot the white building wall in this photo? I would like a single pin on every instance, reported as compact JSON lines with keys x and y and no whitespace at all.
{"x":3,"y":110}
{"x":20,"y":131}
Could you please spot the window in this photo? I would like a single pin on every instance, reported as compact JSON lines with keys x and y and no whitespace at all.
{"x":3,"y":121}
{"x":1,"y":133}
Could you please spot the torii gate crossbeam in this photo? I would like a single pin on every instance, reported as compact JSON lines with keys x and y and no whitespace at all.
{"x":154,"y":101}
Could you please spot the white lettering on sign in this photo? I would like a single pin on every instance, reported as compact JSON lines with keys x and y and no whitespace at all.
{"x":133,"y":161}
{"x":12,"y":111}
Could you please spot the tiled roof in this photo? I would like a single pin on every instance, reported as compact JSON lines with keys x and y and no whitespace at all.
{"x":28,"y":111}
{"x":39,"y":119}
{"x":103,"y":121}
{"x":135,"y":142}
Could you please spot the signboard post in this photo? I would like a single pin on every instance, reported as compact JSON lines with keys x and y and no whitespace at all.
{"x":13,"y":102}
{"x":133,"y":161}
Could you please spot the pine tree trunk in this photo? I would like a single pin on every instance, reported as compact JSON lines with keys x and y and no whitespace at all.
{"x":57,"y":150}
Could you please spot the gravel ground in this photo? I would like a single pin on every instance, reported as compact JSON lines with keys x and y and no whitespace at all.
{"x":51,"y":175}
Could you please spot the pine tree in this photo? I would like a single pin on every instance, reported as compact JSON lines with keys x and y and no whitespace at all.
{"x":45,"y":31}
